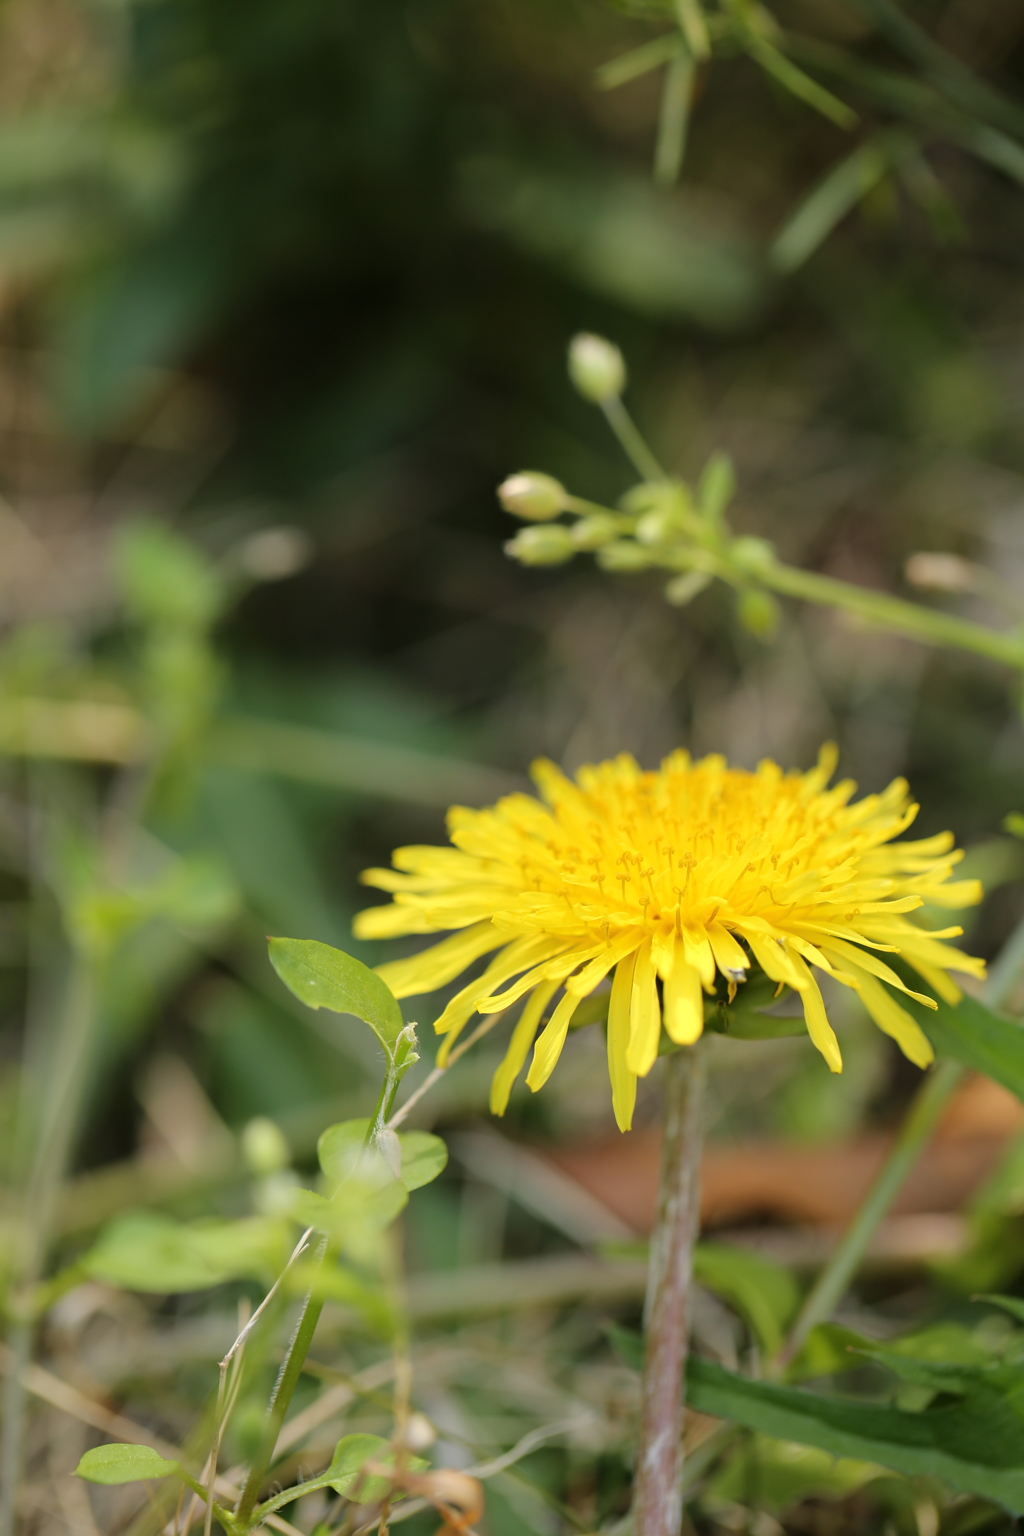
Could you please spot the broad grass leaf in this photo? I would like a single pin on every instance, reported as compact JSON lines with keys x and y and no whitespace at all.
{"x":322,"y":977}
{"x":124,"y":1464}
{"x":978,"y":1036}
{"x":973,"y":1444}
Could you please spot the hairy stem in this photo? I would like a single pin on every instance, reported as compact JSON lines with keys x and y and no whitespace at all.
{"x":658,"y":1491}
{"x":284,"y":1389}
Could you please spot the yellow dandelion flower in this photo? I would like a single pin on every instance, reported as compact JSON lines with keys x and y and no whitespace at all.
{"x":683,"y":876}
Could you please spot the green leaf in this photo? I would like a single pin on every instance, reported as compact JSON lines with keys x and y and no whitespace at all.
{"x":975,"y":1034}
{"x":764,"y":1293}
{"x":340,"y":1148}
{"x":322,"y":977}
{"x":423,"y":1157}
{"x":345,"y":1471}
{"x":785,"y":1474}
{"x":124,"y":1464}
{"x":827,"y":205}
{"x":973,"y":1444}
{"x":165,"y":580}
{"x":149,"y":1252}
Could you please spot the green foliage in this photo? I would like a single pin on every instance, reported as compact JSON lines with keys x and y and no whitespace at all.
{"x":422,"y":1156}
{"x":124,"y":1464}
{"x":322,"y":977}
{"x":973,"y":1443}
{"x":978,"y":1036}
{"x":152,"y":1252}
{"x":777,"y":1474}
{"x":765,"y":1294}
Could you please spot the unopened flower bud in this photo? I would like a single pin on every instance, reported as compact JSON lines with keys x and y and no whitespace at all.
{"x":751,"y":555}
{"x":624,"y":555}
{"x":263,"y":1146}
{"x":542,"y":546}
{"x":595,"y":529}
{"x":684,"y":588}
{"x":533,"y":495}
{"x":758,"y":612}
{"x":596,"y":367}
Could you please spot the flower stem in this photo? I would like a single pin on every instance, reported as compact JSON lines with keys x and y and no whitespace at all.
{"x":915,"y":1134}
{"x":287,"y":1381}
{"x":658,"y":1492}
{"x":929,"y":625}
{"x":631,"y":440}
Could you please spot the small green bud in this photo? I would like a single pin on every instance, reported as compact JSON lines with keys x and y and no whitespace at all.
{"x":752,"y":556}
{"x":684,"y":588}
{"x":716,"y":487}
{"x":623,"y":555}
{"x":542,"y":546}
{"x":264,"y":1147}
{"x":533,"y":495}
{"x":659,"y":527}
{"x":596,"y":367}
{"x":758,"y":612}
{"x":595,"y":529}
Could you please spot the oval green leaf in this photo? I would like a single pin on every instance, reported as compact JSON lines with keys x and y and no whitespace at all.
{"x":322,"y":977}
{"x":423,"y":1158}
{"x":423,"y":1155}
{"x":124,"y":1464}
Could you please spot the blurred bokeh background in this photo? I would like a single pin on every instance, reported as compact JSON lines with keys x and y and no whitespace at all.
{"x":296,"y":282}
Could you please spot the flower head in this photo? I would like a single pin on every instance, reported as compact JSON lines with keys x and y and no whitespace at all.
{"x":689,"y":876}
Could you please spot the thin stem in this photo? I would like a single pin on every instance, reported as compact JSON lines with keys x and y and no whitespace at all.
{"x":630,"y":440}
{"x":287,"y":1381}
{"x":929,"y":625}
{"x":436,"y":1073}
{"x":658,"y":1492}
{"x":915,"y":1134}
{"x":673,"y":119}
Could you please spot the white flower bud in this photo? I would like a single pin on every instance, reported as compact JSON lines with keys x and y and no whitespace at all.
{"x":533,"y":495}
{"x":596,"y":367}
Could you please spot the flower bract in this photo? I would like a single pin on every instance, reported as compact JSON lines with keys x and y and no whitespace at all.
{"x":675,"y":883}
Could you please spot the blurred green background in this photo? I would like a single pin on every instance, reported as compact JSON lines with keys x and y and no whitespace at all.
{"x":296,"y":280}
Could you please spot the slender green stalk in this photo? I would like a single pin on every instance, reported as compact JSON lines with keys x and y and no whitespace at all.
{"x":673,"y":119}
{"x":930,"y":625}
{"x":915,"y":1134}
{"x":658,"y":1489}
{"x":284,"y":1389}
{"x":631,"y":441}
